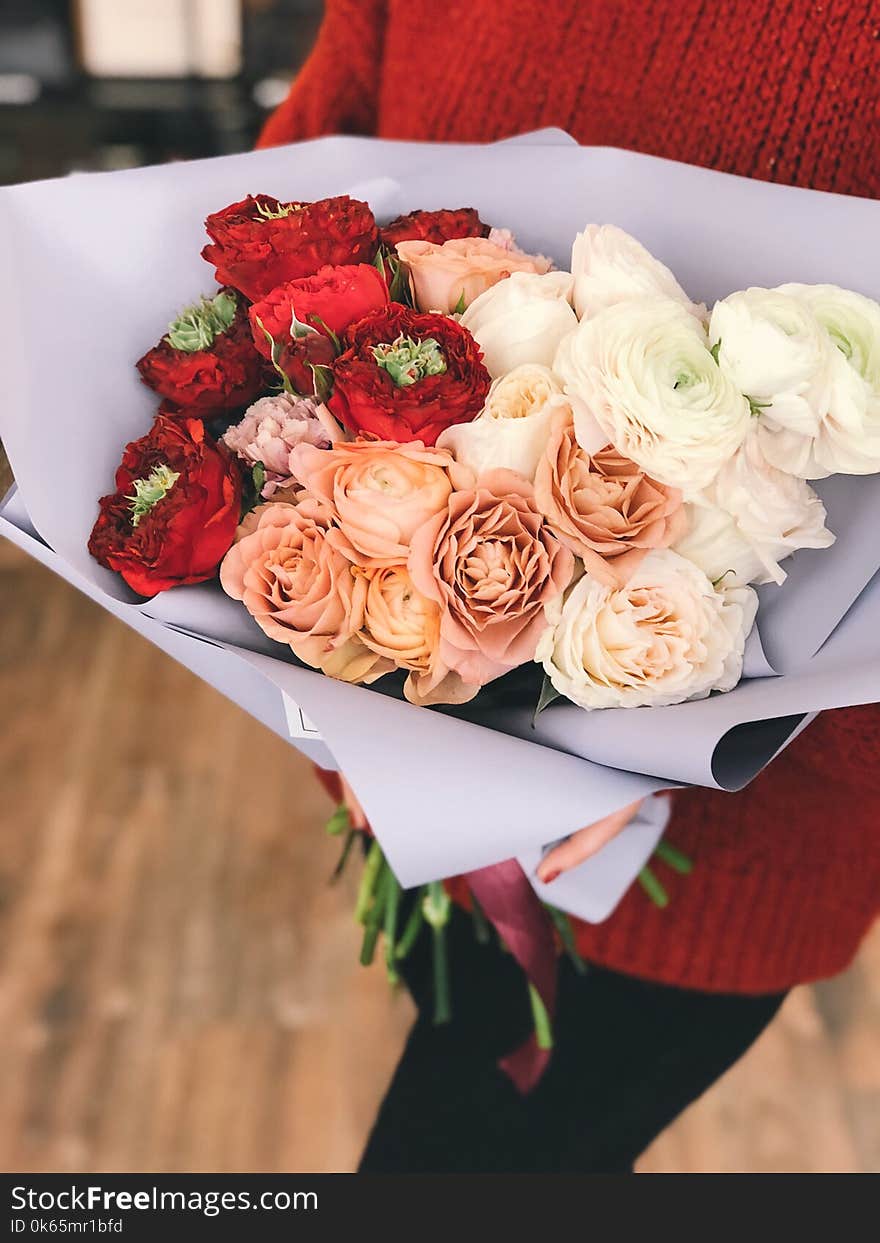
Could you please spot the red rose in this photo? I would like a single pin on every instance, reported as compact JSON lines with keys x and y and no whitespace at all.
{"x":433,"y":226}
{"x":260,"y":243}
{"x":408,"y":376}
{"x":332,"y":299}
{"x":207,"y":361}
{"x":173,"y":515}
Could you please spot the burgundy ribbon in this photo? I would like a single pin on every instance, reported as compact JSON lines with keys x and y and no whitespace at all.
{"x":512,"y":906}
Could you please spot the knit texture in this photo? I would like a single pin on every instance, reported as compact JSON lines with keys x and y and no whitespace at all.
{"x":787,"y":872}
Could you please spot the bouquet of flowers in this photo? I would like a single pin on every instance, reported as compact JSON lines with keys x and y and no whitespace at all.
{"x":562,"y":504}
{"x":420,"y":449}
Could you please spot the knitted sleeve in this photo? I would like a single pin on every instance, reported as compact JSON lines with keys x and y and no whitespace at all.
{"x":844,"y":747}
{"x":337,"y":89}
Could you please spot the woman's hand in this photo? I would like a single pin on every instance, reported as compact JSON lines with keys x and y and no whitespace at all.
{"x":584,"y":843}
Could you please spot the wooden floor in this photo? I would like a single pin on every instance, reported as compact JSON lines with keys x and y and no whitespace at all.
{"x":179,"y":987}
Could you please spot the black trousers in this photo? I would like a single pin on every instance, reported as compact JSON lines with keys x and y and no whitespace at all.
{"x":629,"y":1056}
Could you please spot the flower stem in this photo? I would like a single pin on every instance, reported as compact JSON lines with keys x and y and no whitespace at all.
{"x":482,"y":927}
{"x":562,"y":924}
{"x":543,"y":1026}
{"x":411,"y":928}
{"x":374,"y":916}
{"x":437,"y":906}
{"x":653,"y":888}
{"x":678,"y":861}
{"x":372,"y":868}
{"x":392,"y":907}
{"x":343,"y":857}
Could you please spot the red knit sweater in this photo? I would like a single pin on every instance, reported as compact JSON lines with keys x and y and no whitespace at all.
{"x":787,"y":875}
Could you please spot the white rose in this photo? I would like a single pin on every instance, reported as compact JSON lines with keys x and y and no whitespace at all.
{"x":521,"y":319}
{"x":776,"y":352}
{"x":643,"y":373}
{"x":513,"y":427}
{"x":666,"y":637}
{"x":610,"y":266}
{"x":750,"y":518}
{"x":847,"y":438}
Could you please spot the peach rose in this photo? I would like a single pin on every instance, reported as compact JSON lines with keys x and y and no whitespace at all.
{"x":299,"y":589}
{"x":492,"y":565}
{"x":602,"y":506}
{"x":381,"y":492}
{"x":402,"y":627}
{"x":449,"y":277}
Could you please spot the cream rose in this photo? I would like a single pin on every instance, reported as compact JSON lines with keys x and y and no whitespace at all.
{"x":847,"y":437}
{"x":512,"y":429}
{"x":751,"y":517}
{"x":451,"y":276}
{"x":382,"y":492}
{"x":641,"y":376}
{"x":521,"y":320}
{"x":666,"y":637}
{"x":610,"y":266}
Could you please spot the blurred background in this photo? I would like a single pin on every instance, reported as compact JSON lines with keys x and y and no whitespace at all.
{"x":179,"y":988}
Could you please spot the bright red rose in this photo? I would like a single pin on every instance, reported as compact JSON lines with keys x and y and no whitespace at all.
{"x":333,"y":298}
{"x":433,"y":226}
{"x":260,"y":243}
{"x":173,"y":515}
{"x":408,"y":376}
{"x":207,"y":362}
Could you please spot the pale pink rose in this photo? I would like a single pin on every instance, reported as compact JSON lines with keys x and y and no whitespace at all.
{"x":449,"y":277}
{"x":272,"y":427}
{"x":382,"y":493}
{"x":300,"y":589}
{"x":602,"y":506}
{"x":492,"y":565}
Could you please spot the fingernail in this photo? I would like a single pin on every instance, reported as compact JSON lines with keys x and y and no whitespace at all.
{"x":547,"y":875}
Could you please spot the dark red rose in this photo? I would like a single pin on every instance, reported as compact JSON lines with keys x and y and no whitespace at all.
{"x":260,"y":243}
{"x":433,"y":226}
{"x":332,"y":299}
{"x":207,"y":361}
{"x":407,"y":376}
{"x":173,"y":515}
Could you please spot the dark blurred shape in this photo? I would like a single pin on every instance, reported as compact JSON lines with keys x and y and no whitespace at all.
{"x":55,"y":117}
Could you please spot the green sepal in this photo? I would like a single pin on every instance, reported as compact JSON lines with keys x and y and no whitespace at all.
{"x":549,"y":694}
{"x":339,"y":822}
{"x":460,"y":306}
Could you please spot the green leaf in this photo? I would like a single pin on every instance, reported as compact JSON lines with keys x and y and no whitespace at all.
{"x":653,"y":888}
{"x":258,"y":475}
{"x":460,"y":305}
{"x":328,"y":332}
{"x":676,"y":859}
{"x":298,"y":329}
{"x":275,"y":354}
{"x":549,"y":694}
{"x":339,"y":821}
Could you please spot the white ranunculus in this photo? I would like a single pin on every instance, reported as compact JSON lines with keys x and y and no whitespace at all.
{"x":610,"y":266}
{"x":776,"y":352}
{"x":751,"y":517}
{"x":847,"y":439}
{"x":643,"y":372}
{"x":666,"y":637}
{"x":513,"y":427}
{"x":521,"y":319}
